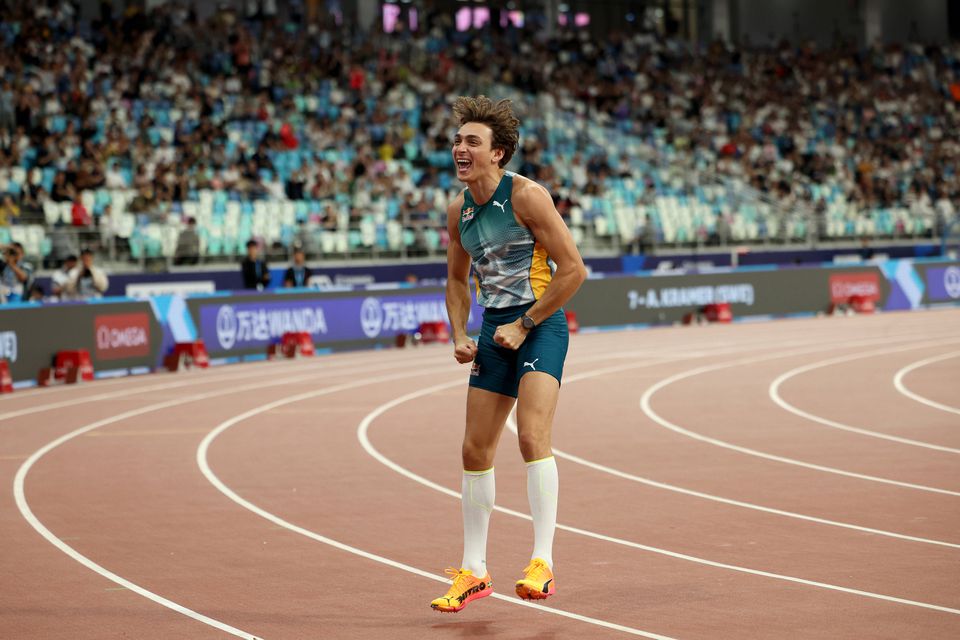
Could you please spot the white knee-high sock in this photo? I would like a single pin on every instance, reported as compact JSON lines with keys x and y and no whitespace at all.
{"x":543,"y":486}
{"x":479,"y":491}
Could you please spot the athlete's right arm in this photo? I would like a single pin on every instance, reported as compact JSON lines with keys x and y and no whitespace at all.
{"x":458,"y":286}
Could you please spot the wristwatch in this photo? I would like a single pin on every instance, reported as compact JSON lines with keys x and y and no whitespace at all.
{"x":527,"y":322}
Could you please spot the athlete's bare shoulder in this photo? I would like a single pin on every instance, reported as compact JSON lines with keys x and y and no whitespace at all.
{"x":524,"y":187}
{"x":529,"y":197}
{"x":453,"y":209}
{"x":453,"y":215}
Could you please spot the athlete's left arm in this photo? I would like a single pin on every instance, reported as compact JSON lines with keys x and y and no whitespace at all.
{"x":533,"y":206}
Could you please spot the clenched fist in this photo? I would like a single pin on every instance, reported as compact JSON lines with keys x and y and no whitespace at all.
{"x":510,"y":335}
{"x":465,"y":350}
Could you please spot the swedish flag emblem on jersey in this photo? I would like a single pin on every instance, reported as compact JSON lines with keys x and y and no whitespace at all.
{"x":512,"y":268}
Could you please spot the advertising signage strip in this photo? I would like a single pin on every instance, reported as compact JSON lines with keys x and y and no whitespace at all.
{"x":943,"y":284}
{"x":865,"y":284}
{"x":126,"y":334}
{"x":667,"y":299}
{"x":243,"y":324}
{"x":118,"y":335}
{"x":122,"y":335}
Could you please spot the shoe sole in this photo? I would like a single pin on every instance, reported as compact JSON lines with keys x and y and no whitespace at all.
{"x":527,"y":592}
{"x":470,"y":598}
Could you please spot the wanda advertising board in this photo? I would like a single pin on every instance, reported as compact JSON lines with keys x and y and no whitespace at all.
{"x":120,"y":335}
{"x":248,"y":324}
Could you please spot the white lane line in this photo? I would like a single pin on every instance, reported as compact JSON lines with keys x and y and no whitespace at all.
{"x":425,"y":355}
{"x":653,"y":415}
{"x":93,"y":566}
{"x":774,"y":392}
{"x":363,"y":437}
{"x":198,"y":378}
{"x":902,"y":388}
{"x":203,"y":463}
{"x":182,"y":382}
{"x":102,"y":383}
{"x":27,"y":513}
{"x":737,"y":503}
{"x":512,"y":426}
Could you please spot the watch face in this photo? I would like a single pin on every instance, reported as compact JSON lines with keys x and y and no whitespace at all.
{"x":527,"y":322}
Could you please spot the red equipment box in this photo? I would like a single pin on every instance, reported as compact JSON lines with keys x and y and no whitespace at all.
{"x":718,"y":312}
{"x":186,"y":355}
{"x":294,"y":344}
{"x":434,"y":332}
{"x":73,"y":366}
{"x":6,"y":380}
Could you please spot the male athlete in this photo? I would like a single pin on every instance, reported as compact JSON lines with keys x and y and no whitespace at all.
{"x":507,"y":227}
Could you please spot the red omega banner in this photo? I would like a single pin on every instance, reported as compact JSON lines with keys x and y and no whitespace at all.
{"x":122,"y":335}
{"x":844,"y":286}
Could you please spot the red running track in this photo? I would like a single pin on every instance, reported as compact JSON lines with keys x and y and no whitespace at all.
{"x":788,"y":479}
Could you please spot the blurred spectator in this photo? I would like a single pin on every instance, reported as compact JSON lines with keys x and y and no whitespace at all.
{"x":9,"y":210}
{"x":114,"y":178}
{"x":304,"y":239}
{"x":721,"y":230}
{"x":87,"y":280}
{"x":36,"y":293}
{"x":298,"y":274}
{"x":79,"y":215}
{"x":16,"y":277}
{"x":645,"y":237}
{"x":60,"y":280}
{"x":63,"y":191}
{"x":113,"y":233}
{"x":144,"y":202}
{"x":7,"y":118}
{"x":256,"y":273}
{"x":63,"y":243}
{"x":188,"y":245}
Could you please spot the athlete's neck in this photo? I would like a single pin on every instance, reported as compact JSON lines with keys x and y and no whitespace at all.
{"x":483,"y":188}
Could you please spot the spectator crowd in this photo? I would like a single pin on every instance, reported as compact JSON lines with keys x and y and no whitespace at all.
{"x":166,"y":105}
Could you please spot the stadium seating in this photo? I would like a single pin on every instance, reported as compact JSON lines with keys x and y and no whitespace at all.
{"x":637,"y":168}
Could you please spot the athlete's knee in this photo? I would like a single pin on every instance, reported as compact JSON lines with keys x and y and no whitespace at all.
{"x":534,"y":444}
{"x":477,"y":455}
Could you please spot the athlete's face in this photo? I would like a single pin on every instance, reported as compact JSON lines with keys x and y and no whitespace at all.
{"x":472,"y":151}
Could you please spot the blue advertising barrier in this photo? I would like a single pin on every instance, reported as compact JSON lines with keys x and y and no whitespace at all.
{"x":246,"y":324}
{"x":131,"y":336}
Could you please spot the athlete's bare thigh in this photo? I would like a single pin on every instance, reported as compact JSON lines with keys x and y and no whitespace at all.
{"x":535,"y":408}
{"x":486,"y":414}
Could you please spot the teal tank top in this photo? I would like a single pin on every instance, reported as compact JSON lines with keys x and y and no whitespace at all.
{"x":512,"y":268}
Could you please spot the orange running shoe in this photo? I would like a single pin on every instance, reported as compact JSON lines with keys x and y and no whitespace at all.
{"x":465,"y":589}
{"x":537,"y":583}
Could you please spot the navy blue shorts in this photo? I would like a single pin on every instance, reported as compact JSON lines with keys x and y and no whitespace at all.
{"x":499,"y":369}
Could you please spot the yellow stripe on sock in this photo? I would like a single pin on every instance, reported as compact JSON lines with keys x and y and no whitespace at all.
{"x":540,"y":460}
{"x":478,"y":473}
{"x":540,"y":488}
{"x":473,"y":480}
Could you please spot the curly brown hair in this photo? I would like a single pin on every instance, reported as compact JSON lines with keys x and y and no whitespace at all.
{"x":498,"y":116}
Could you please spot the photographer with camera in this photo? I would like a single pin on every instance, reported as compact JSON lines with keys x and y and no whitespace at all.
{"x":87,"y":280}
{"x":16,"y":274}
{"x":61,"y":278}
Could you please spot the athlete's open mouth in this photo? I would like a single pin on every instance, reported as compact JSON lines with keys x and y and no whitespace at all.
{"x":463,"y":165}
